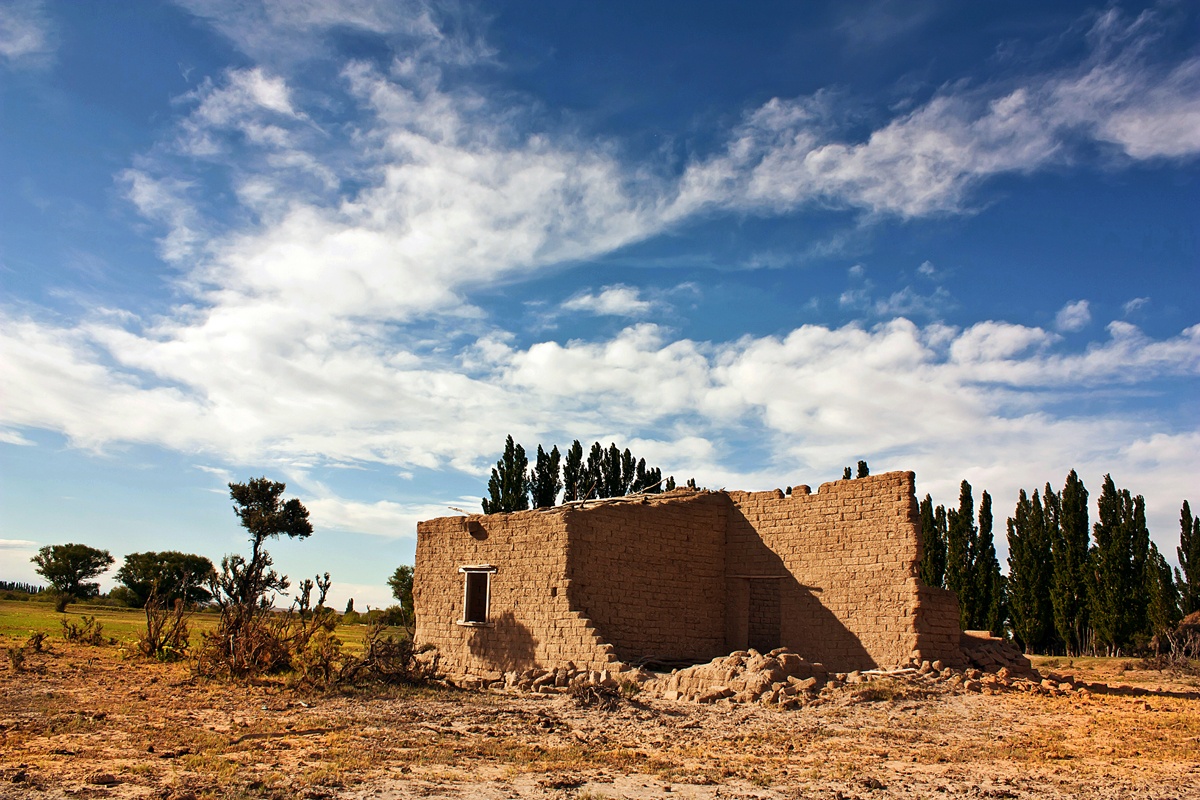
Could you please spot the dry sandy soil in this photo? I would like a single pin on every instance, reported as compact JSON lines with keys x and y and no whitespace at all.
{"x":83,"y":722}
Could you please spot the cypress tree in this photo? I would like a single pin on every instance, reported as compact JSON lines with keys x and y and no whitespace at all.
{"x":1122,"y":545}
{"x":572,"y":474}
{"x":544,"y":480}
{"x":960,"y":549}
{"x":508,"y":488}
{"x":933,"y":545}
{"x":1188,"y":574}
{"x":1029,"y":573}
{"x":846,"y":474}
{"x":863,"y":470}
{"x":1071,"y":575}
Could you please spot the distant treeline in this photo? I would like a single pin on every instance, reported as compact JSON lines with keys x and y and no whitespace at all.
{"x":19,"y":586}
{"x":1072,"y":587}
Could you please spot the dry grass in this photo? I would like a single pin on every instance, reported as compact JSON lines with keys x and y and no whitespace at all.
{"x":74,"y":710}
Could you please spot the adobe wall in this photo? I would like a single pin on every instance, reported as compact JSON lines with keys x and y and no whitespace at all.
{"x":531,"y":622}
{"x":650,"y":574}
{"x":845,"y":561}
{"x":688,"y":576}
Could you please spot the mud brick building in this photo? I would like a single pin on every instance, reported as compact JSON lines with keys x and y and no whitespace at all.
{"x":686,"y":576}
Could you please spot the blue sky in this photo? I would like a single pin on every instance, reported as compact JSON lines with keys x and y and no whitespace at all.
{"x":353,"y":245}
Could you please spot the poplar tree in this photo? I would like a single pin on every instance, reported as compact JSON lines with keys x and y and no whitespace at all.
{"x":544,"y":479}
{"x":1122,"y":545}
{"x":989,"y":583}
{"x":613,"y":482}
{"x":960,"y":548}
{"x":508,"y":488}
{"x":933,"y":544}
{"x":1029,"y":573}
{"x":863,"y":470}
{"x":594,"y":474}
{"x":1071,"y":574}
{"x":572,"y":473}
{"x":1188,"y":574}
{"x":1162,"y":607}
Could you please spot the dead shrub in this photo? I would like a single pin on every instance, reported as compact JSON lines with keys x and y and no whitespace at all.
{"x":887,"y":690}
{"x":253,"y":638}
{"x":387,"y":659}
{"x":589,"y":695}
{"x":166,"y":635}
{"x":90,"y":632}
{"x":16,"y":658}
{"x":36,"y":641}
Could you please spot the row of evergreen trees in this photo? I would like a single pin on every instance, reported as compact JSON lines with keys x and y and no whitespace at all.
{"x":1071,"y":587}
{"x":20,"y":586}
{"x":606,"y":472}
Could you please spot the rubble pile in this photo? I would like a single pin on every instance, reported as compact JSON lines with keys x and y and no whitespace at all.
{"x":990,"y":653}
{"x":779,"y":677}
{"x":543,"y":681}
{"x":786,"y":679}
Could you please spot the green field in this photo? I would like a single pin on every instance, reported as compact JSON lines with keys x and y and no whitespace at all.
{"x":19,"y":619}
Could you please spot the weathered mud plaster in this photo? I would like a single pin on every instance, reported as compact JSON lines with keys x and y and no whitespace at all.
{"x":686,"y":576}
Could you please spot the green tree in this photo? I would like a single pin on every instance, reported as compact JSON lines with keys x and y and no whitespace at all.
{"x":933,"y":544}
{"x":847,"y":474}
{"x":263,"y":512}
{"x":573,"y":473}
{"x":1029,"y":573}
{"x":961,"y":537}
{"x":1070,"y":559}
{"x":174,"y":575}
{"x":863,"y":470}
{"x":613,"y":480}
{"x":508,"y":488}
{"x":989,"y":583}
{"x":594,"y":478}
{"x":69,"y":568}
{"x":545,"y":479}
{"x":1119,"y":555}
{"x":1162,"y":608}
{"x":1188,"y":574}
{"x":401,"y":583}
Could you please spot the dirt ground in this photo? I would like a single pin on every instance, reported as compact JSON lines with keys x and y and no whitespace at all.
{"x":83,"y":722}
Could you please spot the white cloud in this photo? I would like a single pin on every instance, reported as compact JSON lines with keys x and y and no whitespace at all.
{"x":618,"y":300}
{"x":1074,"y":316}
{"x":381,"y":518}
{"x":787,"y":153}
{"x":1135,"y":305}
{"x":16,"y":544}
{"x":332,"y":321}
{"x":1147,"y":112}
{"x":24,"y":32}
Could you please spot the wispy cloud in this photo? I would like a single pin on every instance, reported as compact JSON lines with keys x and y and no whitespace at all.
{"x":787,"y":153}
{"x":16,"y":544}
{"x":1135,"y":305}
{"x":25,"y":33}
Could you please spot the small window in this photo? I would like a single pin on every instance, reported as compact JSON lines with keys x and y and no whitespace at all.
{"x":476,"y":594}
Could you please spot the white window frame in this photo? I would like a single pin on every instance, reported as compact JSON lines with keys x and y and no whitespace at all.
{"x":478,"y":569}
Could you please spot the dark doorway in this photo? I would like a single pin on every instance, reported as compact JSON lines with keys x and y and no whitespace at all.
{"x":764,"y":614}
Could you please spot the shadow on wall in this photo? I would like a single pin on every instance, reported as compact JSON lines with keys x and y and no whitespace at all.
{"x":506,"y":645}
{"x":768,"y":607}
